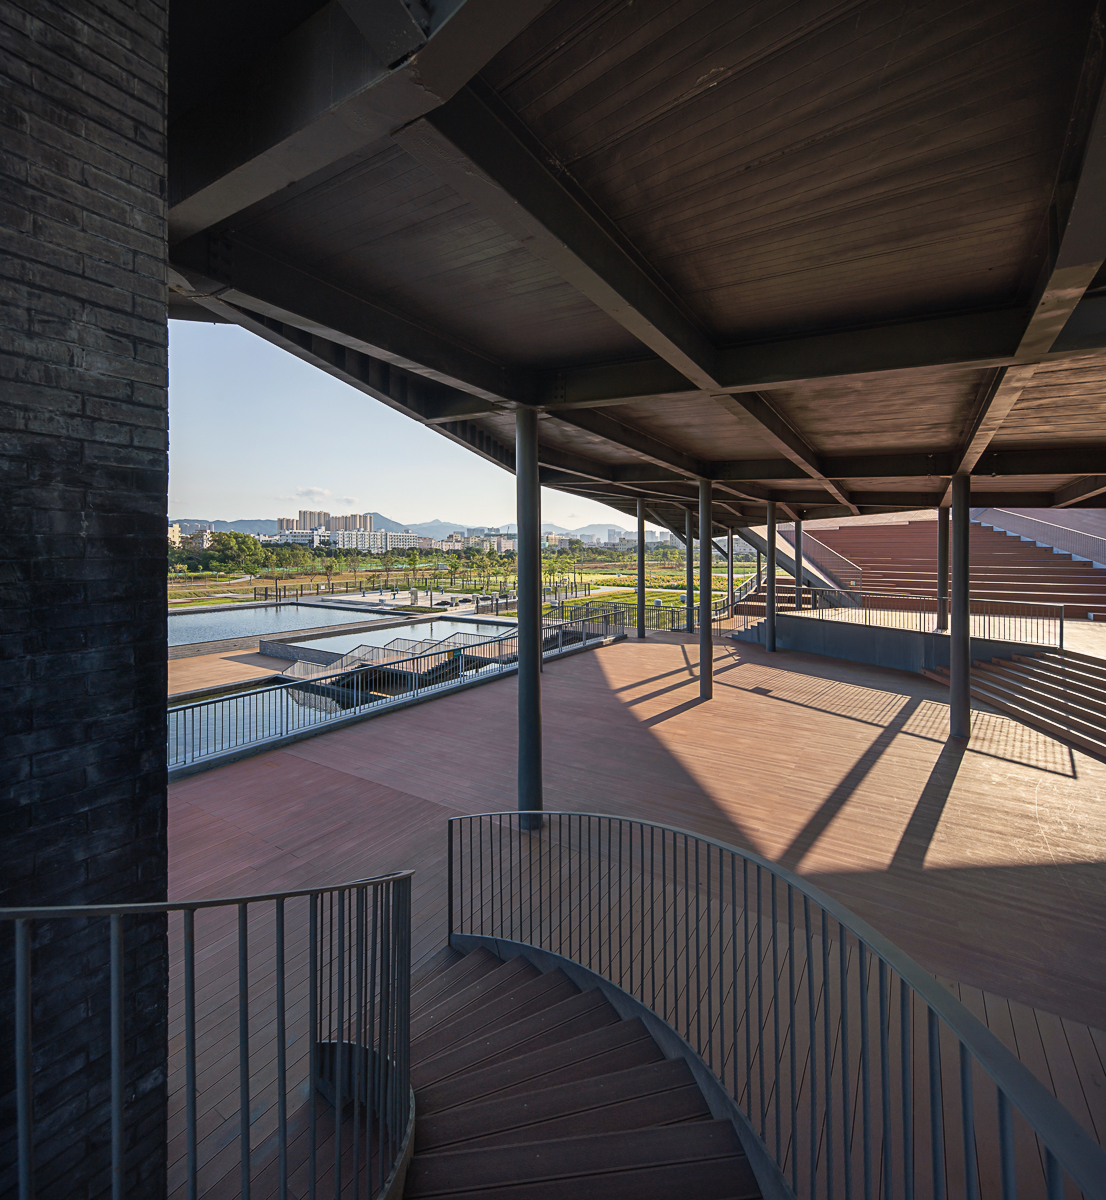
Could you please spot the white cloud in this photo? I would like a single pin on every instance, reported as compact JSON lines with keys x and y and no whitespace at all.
{"x":311,"y":493}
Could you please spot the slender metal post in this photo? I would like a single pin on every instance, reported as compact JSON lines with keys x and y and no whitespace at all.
{"x":689,"y":541}
{"x":528,"y":491}
{"x":960,"y":652}
{"x":798,"y":564}
{"x":770,"y":594}
{"x":706,"y":616}
{"x":116,"y":1057}
{"x":641,"y":568}
{"x":24,"y":1074}
{"x":943,"y":569}
{"x":729,"y":571}
{"x":190,"y":1049}
{"x":244,"y":1051}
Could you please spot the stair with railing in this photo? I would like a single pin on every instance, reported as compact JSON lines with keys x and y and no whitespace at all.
{"x":526,"y":1086}
{"x":1061,"y":693}
{"x":1003,"y":566}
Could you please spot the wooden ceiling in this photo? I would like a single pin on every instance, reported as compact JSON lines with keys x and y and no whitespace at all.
{"x":827,"y":254}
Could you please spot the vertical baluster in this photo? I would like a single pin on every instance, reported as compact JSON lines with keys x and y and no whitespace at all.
{"x":906,"y":1035}
{"x":748,"y":995}
{"x":827,"y":1054}
{"x":450,"y":829}
{"x":1006,"y":1148}
{"x":885,"y":1078}
{"x":24,"y":1069}
{"x":698,"y":957}
{"x":117,"y":1080}
{"x":846,"y":1113}
{"x":736,"y":1090}
{"x":664,"y":923}
{"x":865,"y":1069}
{"x":710,"y":965}
{"x":282,"y":1054}
{"x":776,"y":1020}
{"x":376,"y":1061}
{"x":791,"y":997}
{"x":967,"y":1117}
{"x":936,"y":1106}
{"x":313,"y":1033}
{"x":244,"y":1050}
{"x":813,"y":1054}
{"x":760,"y":1009}
{"x":652,"y":920}
{"x":359,"y":1034}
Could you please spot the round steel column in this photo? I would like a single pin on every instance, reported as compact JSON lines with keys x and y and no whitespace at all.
{"x":706,"y":596}
{"x":942,"y":568}
{"x":528,"y":492}
{"x":689,"y":539}
{"x":960,"y":643}
{"x":770,"y":585}
{"x":798,"y":564}
{"x":641,"y":568}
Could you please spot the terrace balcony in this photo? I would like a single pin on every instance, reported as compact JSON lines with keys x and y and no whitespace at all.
{"x":981,"y":861}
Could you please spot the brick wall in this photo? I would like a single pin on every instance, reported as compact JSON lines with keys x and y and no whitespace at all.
{"x":83,"y":471}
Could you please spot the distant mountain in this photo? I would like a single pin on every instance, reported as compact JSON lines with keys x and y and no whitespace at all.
{"x":435,"y":529}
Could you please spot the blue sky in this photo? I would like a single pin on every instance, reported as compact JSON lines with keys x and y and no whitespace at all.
{"x":256,"y":433}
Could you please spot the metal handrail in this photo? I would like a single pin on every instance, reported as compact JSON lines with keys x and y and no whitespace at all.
{"x":1070,"y":541}
{"x":205,"y":730}
{"x":688,"y":925}
{"x":842,"y":572}
{"x":346,"y":951}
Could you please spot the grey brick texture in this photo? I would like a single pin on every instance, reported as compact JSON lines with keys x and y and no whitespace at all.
{"x":83,"y":478}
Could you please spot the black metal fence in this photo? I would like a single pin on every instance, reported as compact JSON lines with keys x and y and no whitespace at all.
{"x":858,"y":1074}
{"x":301,"y":997}
{"x":210,"y":729}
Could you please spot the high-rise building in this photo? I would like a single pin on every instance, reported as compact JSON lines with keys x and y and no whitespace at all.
{"x":351,"y":521}
{"x":284,"y":523}
{"x":312,"y":520}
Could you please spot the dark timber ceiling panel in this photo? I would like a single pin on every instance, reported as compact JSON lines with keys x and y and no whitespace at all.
{"x":385,"y":227}
{"x":827,"y":253}
{"x":1064,"y":405}
{"x":810,"y":166}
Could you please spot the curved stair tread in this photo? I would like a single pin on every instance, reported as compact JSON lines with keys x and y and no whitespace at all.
{"x":613,"y":1047}
{"x":700,"y":1161}
{"x":660,"y":1093}
{"x":452,"y":976}
{"x":522,"y":998}
{"x":577,"y":1014}
{"x":472,"y":997}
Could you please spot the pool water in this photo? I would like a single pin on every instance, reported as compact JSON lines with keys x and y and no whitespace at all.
{"x":187,"y":628}
{"x":343,"y":643}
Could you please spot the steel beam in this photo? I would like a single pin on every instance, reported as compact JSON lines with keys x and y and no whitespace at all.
{"x":320,"y":94}
{"x":706,"y":594}
{"x":960,"y":651}
{"x":528,"y":492}
{"x":477,"y":145}
{"x":791,"y":444}
{"x":1074,"y":232}
{"x":1082,"y":489}
{"x":240,"y":274}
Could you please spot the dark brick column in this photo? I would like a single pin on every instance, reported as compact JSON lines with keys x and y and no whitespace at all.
{"x":83,"y":472}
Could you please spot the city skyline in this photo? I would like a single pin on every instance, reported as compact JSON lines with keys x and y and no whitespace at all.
{"x":253,"y":429}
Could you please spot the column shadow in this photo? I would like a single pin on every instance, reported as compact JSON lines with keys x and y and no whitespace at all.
{"x":919,"y":831}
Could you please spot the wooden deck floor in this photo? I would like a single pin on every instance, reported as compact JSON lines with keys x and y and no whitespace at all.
{"x":988,"y":865}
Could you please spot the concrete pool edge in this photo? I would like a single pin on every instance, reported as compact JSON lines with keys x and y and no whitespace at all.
{"x":227,"y":645}
{"x":241,"y":752}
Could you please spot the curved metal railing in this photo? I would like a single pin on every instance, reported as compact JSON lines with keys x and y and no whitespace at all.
{"x":857,"y":1071}
{"x":298,"y":993}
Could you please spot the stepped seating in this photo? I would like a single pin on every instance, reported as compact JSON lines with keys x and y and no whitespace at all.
{"x":527,"y":1088}
{"x":903,"y":558}
{"x":1060,"y":692}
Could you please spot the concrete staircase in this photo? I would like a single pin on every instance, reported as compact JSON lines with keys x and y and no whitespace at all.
{"x":1004,"y":566}
{"x":1059,"y":692}
{"x":527,"y":1088}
